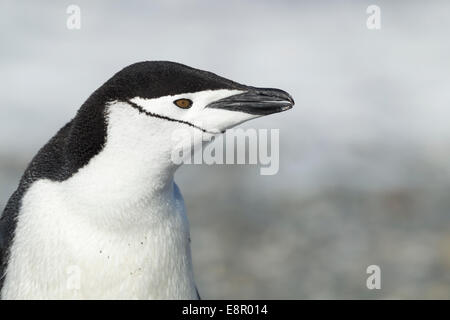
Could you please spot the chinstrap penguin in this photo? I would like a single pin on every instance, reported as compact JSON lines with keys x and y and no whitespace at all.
{"x":97,"y":214}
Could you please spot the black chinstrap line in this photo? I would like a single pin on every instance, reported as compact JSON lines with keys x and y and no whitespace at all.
{"x":155,"y":115}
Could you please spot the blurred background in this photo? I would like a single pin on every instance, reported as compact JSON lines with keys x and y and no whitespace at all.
{"x":364,"y":155}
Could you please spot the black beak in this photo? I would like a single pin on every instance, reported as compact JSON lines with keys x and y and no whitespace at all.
{"x":258,"y":101}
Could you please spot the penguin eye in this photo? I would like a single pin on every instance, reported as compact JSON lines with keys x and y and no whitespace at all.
{"x":183,"y":103}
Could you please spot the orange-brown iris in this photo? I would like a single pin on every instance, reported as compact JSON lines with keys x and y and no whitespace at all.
{"x":183,"y":103}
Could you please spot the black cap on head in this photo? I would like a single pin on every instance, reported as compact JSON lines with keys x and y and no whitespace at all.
{"x":153,"y":79}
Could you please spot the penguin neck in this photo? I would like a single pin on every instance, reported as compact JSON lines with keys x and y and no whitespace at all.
{"x":134,"y":166}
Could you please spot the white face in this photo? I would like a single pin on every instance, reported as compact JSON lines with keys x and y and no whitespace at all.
{"x":211,"y":120}
{"x":149,"y":132}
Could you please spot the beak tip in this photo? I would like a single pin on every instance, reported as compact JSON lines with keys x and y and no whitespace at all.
{"x":292,"y":101}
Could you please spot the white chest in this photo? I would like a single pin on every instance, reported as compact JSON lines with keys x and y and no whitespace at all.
{"x":63,"y":251}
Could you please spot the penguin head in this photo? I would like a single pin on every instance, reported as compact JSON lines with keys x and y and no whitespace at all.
{"x":198,"y":99}
{"x":137,"y":111}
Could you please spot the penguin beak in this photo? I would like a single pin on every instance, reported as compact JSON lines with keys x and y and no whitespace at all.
{"x":256,"y":101}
